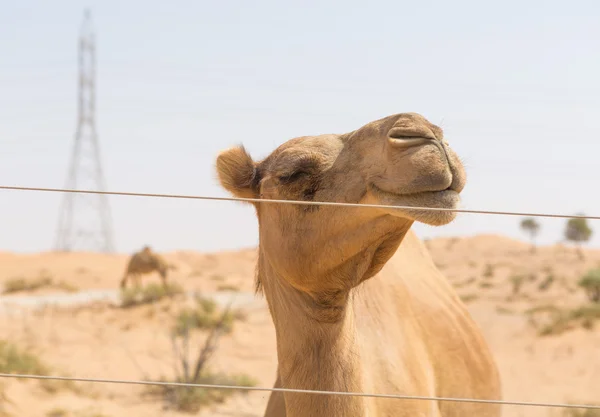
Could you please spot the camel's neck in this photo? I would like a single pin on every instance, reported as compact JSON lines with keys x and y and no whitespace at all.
{"x":313,"y":355}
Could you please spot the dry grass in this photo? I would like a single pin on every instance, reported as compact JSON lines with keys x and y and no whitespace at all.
{"x":488,"y":272}
{"x":20,"y":284}
{"x":205,"y":316}
{"x":192,"y":399}
{"x":63,"y":412}
{"x":151,"y":293}
{"x":562,"y":320}
{"x":466,"y":298}
{"x":43,"y":280}
{"x":581,"y":412}
{"x":517,"y":282}
{"x":228,"y":287}
{"x":15,"y":360}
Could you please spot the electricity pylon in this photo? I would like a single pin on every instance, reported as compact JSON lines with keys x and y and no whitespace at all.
{"x":84,"y":220}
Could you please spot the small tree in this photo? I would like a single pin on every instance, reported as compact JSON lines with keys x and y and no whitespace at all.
{"x":590,"y":282}
{"x":530,"y":226}
{"x":578,"y":231}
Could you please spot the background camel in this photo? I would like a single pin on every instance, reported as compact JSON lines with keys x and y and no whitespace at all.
{"x":145,"y":262}
{"x":357,"y":303}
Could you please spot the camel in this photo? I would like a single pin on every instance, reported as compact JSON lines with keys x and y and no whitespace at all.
{"x":145,"y":262}
{"x":357,"y":303}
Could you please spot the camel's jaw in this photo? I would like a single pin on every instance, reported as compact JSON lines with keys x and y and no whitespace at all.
{"x":446,"y":199}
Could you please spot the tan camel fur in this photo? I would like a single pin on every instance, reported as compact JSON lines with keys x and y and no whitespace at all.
{"x":145,"y":262}
{"x":356,"y":300}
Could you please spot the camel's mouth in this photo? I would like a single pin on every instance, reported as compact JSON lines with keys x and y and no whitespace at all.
{"x":380,"y":191}
{"x":446,"y":198}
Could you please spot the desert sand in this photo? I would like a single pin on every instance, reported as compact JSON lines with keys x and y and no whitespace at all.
{"x":500,"y":279}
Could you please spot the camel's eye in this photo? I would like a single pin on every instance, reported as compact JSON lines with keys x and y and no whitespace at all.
{"x":291,"y":177}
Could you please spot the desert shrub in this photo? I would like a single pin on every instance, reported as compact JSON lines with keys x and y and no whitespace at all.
{"x":517,"y":283}
{"x":58,"y":412}
{"x":488,"y":272}
{"x":545,"y":284}
{"x":590,"y":282}
{"x":466,"y":298}
{"x":43,"y":280}
{"x":149,"y":294}
{"x":205,"y":316}
{"x":228,"y":287}
{"x":504,"y":310}
{"x":19,"y":284}
{"x":191,"y":399}
{"x":581,"y":412}
{"x":15,"y":360}
{"x":562,"y":320}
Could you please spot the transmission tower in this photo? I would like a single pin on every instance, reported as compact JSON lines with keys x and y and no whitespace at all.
{"x":84,"y":221}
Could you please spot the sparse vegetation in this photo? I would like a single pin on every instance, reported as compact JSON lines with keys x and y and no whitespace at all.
{"x":486,"y":285}
{"x":578,"y":231}
{"x":149,"y":294}
{"x":581,"y":412}
{"x":191,"y":399}
{"x":561,"y":320}
{"x":58,"y":412}
{"x":504,"y":310}
{"x":590,"y":282}
{"x":43,"y":280}
{"x":466,"y":298}
{"x":465,"y":282}
{"x":63,"y":412}
{"x":228,"y":287}
{"x":15,"y":360}
{"x":19,"y":284}
{"x":488,"y":272}
{"x":545,"y":284}
{"x":517,"y":283}
{"x":204,"y":316}
{"x":532,"y":227}
{"x":66,"y":286}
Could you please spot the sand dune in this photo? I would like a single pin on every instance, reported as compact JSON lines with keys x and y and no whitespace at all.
{"x":499,"y":278}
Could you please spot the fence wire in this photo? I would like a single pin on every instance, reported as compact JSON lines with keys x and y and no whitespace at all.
{"x":302,"y":391}
{"x":299,"y":202}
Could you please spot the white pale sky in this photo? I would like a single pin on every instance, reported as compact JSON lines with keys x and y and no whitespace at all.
{"x":514,"y":84}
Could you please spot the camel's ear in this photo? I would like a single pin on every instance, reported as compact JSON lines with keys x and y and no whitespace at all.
{"x":237,"y":172}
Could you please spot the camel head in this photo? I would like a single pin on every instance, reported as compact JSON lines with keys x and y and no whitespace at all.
{"x":400,"y":160}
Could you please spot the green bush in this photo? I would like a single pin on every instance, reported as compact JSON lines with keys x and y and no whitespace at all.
{"x":590,"y":282}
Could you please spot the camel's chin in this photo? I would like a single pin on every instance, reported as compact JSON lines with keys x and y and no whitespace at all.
{"x":446,"y":200}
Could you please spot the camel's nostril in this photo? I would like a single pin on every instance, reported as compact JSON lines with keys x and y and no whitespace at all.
{"x":409,"y":136}
{"x":407,"y":142}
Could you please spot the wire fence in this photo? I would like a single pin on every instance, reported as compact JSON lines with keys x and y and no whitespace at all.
{"x":298,"y":202}
{"x":302,"y":391}
{"x":272,"y":389}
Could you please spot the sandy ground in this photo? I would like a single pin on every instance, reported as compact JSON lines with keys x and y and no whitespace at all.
{"x":100,"y":340}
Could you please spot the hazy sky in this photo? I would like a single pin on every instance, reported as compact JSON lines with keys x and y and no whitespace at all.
{"x":514,"y":85}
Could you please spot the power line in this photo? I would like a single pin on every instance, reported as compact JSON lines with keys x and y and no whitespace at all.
{"x":301,"y":391}
{"x":299,"y":202}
